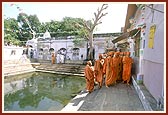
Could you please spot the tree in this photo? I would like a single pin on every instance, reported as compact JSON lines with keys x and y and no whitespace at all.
{"x":11,"y":31}
{"x":91,"y":26}
{"x":29,"y":25}
{"x":34,"y":24}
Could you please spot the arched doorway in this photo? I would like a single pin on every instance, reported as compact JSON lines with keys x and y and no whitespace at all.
{"x":46,"y":54}
{"x":61,"y":54}
{"x":75,"y":53}
{"x":51,"y":50}
{"x":40,"y":53}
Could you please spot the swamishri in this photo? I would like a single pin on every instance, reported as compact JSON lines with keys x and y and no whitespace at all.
{"x":89,"y":76}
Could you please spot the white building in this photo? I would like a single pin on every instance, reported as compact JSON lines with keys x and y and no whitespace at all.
{"x":65,"y":46}
{"x":145,"y":28}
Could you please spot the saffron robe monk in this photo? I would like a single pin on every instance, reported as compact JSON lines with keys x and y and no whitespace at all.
{"x":127,"y":65}
{"x":108,"y":69}
{"x":53,"y":58}
{"x":121,"y":66}
{"x":89,"y":76}
{"x":98,"y":70}
{"x":116,"y":62}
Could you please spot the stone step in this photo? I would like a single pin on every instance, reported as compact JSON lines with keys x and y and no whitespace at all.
{"x":66,"y":68}
{"x":16,"y":65}
{"x":62,"y":70}
{"x":19,"y":72}
{"x":17,"y":61}
{"x":64,"y":73}
{"x":17,"y":68}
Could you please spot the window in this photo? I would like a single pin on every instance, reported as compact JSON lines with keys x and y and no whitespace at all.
{"x":13,"y":52}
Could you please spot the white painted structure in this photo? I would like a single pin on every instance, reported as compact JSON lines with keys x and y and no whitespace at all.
{"x":65,"y":48}
{"x":151,"y":61}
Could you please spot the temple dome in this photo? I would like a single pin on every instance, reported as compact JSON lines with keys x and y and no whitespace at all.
{"x":46,"y":35}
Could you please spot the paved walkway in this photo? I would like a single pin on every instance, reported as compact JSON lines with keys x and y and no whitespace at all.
{"x":119,"y":97}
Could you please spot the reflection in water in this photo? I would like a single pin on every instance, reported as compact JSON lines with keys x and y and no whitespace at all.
{"x":41,"y":92}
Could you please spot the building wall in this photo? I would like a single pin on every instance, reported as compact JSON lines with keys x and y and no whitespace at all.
{"x":150,"y":62}
{"x":100,"y":44}
{"x":153,"y":58}
{"x":157,"y":53}
{"x":8,"y":55}
{"x":135,"y":66}
{"x":58,"y":44}
{"x":153,"y":78}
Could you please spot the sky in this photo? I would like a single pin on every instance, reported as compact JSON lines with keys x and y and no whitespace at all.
{"x":111,"y":23}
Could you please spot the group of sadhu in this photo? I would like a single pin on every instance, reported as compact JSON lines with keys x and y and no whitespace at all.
{"x":113,"y":66}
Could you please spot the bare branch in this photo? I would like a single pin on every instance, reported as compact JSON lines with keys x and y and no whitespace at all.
{"x":87,"y":26}
{"x":98,"y":23}
{"x":93,"y":19}
{"x":86,"y":35}
{"x":104,"y":6}
{"x":97,"y":17}
{"x":102,"y":15}
{"x":97,"y":9}
{"x":95,"y":14}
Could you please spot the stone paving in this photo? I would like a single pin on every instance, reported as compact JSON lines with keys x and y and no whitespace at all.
{"x":119,"y":97}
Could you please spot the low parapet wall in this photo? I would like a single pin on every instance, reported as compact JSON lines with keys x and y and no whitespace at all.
{"x":15,"y":62}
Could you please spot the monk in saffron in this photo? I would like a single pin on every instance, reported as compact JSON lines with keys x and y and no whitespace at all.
{"x":108,"y":69}
{"x":98,"y":70}
{"x":127,"y":65}
{"x":53,"y":58}
{"x":89,"y":76}
{"x":116,"y":64}
{"x":121,"y":66}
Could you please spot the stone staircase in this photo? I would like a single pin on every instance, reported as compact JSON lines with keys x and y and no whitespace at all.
{"x":70,"y":69}
{"x":13,"y":67}
{"x":24,"y":65}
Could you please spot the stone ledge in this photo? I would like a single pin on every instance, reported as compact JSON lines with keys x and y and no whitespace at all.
{"x":144,"y":97}
{"x":63,"y":73}
{"x":22,"y":64}
{"x":18,"y":72}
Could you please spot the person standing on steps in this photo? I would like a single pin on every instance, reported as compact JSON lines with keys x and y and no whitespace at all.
{"x":53,"y":58}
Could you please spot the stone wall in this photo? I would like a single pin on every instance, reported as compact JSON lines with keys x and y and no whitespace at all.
{"x":14,"y":62}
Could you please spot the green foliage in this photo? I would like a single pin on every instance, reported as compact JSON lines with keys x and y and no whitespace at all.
{"x":78,"y":41}
{"x":28,"y":24}
{"x":11,"y":31}
{"x":22,"y":28}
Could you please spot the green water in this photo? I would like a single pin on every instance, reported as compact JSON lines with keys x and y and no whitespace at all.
{"x":40,"y":91}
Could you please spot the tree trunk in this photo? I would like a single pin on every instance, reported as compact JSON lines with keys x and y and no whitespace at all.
{"x":90,"y":56}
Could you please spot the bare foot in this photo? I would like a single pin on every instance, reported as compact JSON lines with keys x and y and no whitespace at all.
{"x":90,"y":91}
{"x":100,"y":87}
